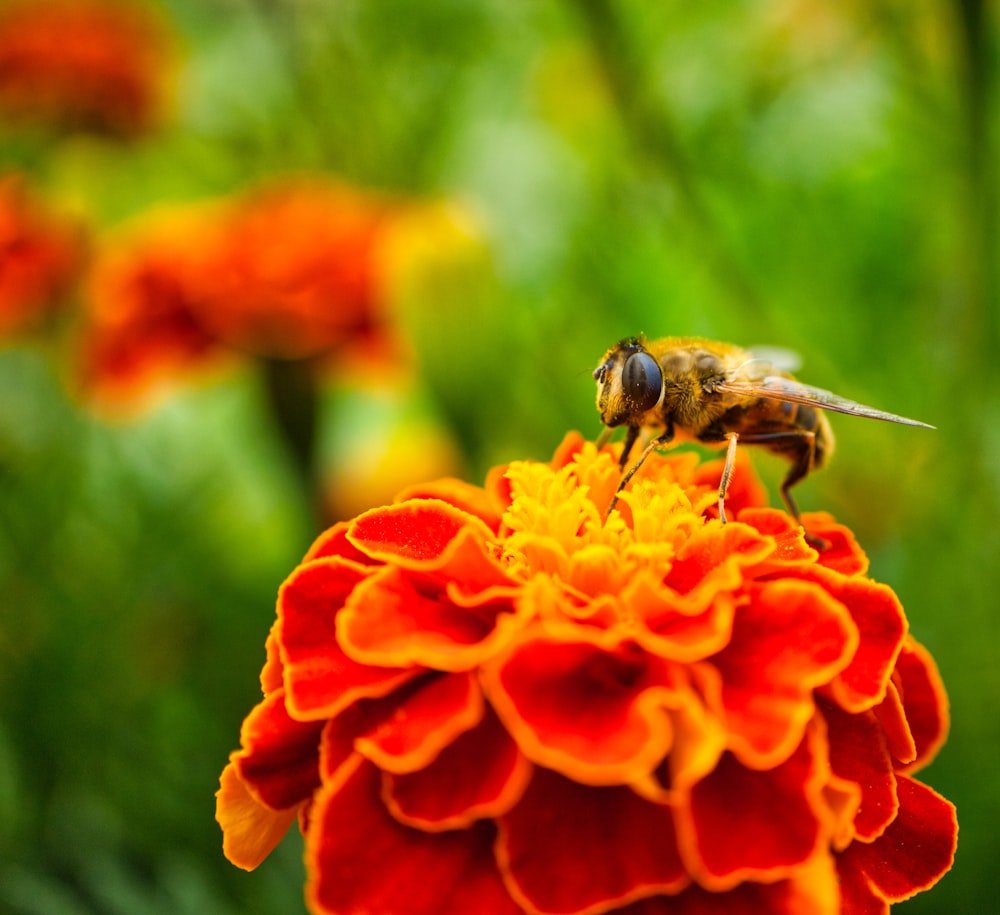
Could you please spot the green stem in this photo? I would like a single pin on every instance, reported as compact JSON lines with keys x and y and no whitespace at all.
{"x":293,"y":398}
{"x":980,"y":328}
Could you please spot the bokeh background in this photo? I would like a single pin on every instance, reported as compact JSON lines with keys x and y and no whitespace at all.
{"x":811,"y":174}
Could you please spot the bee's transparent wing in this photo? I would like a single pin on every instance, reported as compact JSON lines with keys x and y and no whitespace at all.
{"x":774,"y":359}
{"x":789,"y":390}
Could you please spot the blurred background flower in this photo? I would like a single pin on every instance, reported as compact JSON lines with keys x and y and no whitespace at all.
{"x":41,"y":254}
{"x":100,"y":65}
{"x":548,"y":178}
{"x":93,"y":65}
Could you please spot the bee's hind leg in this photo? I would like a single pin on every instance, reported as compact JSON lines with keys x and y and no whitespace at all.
{"x":727,"y":473}
{"x":801,"y":448}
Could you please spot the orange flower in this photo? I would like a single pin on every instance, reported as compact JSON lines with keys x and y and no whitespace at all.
{"x":39,"y":257}
{"x":141,"y":326}
{"x":502,"y":700}
{"x":292,"y":270}
{"x":296,"y":269}
{"x":83,"y":64}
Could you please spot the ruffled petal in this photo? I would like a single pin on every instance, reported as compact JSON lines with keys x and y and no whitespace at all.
{"x":812,"y":890}
{"x":790,"y":547}
{"x":250,"y":829}
{"x":924,"y":700}
{"x":424,"y":724}
{"x":474,"y":500}
{"x":365,"y":718}
{"x":914,"y":852}
{"x":842,"y":552}
{"x":791,"y":638}
{"x":858,"y":753}
{"x":585,"y":703}
{"x":553,"y":847}
{"x":672,"y":626}
{"x":322,"y":680}
{"x":396,"y":618}
{"x":892,"y":716}
{"x":279,"y":759}
{"x":360,"y":859}
{"x":688,"y":614}
{"x":728,"y":828}
{"x":881,"y":624}
{"x":482,"y":774}
{"x":272,"y":674}
{"x":429,"y":535}
{"x":334,"y":542}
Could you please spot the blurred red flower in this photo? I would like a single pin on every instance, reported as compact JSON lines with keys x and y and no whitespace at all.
{"x":40,"y":255}
{"x":500,"y":700}
{"x":291,"y":270}
{"x":84,"y":64}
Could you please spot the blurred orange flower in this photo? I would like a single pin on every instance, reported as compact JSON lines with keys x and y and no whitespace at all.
{"x":295,"y":269}
{"x":40,"y":254}
{"x":84,"y":64}
{"x":291,"y":270}
{"x":504,"y":700}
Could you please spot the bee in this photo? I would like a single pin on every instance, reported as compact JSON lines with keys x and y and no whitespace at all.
{"x":719,"y":394}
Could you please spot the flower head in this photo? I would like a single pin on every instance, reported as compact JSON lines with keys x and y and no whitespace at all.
{"x":290,"y":270}
{"x":503,"y":699}
{"x":83,"y":64}
{"x":40,"y":254}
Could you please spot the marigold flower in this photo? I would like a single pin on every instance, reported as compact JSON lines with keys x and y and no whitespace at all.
{"x":501,"y":699}
{"x":141,"y":326}
{"x":290,"y":270}
{"x":84,"y":64}
{"x":40,"y":254}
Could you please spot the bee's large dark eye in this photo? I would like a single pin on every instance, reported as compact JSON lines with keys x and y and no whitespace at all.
{"x":642,"y":380}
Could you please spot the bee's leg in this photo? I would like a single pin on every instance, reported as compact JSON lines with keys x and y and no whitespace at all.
{"x":801,"y":448}
{"x":659,"y":441}
{"x":727,"y":473}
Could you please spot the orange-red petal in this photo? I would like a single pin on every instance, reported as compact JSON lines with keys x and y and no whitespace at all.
{"x":401,"y":618}
{"x":585,"y":703}
{"x":429,"y":535}
{"x":730,"y":829}
{"x":812,"y":890}
{"x":481,"y":774}
{"x":842,"y":552}
{"x":424,"y":724}
{"x":279,"y":759}
{"x":321,"y":678}
{"x":474,"y":500}
{"x":881,"y":624}
{"x":791,"y":638}
{"x":361,"y":859}
{"x":858,"y":753}
{"x":913,"y":853}
{"x":924,"y":702}
{"x":250,"y":829}
{"x":569,"y":849}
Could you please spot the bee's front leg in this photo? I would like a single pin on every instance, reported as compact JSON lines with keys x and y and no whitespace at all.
{"x":664,"y":439}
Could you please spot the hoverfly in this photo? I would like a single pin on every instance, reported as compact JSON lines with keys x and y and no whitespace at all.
{"x":717,"y":393}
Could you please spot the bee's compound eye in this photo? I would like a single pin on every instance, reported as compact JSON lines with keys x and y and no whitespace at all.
{"x":642,"y":381}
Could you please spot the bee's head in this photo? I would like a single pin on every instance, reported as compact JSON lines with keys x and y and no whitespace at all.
{"x":629,"y":383}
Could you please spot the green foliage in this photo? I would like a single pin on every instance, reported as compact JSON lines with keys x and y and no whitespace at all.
{"x":809,"y":175}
